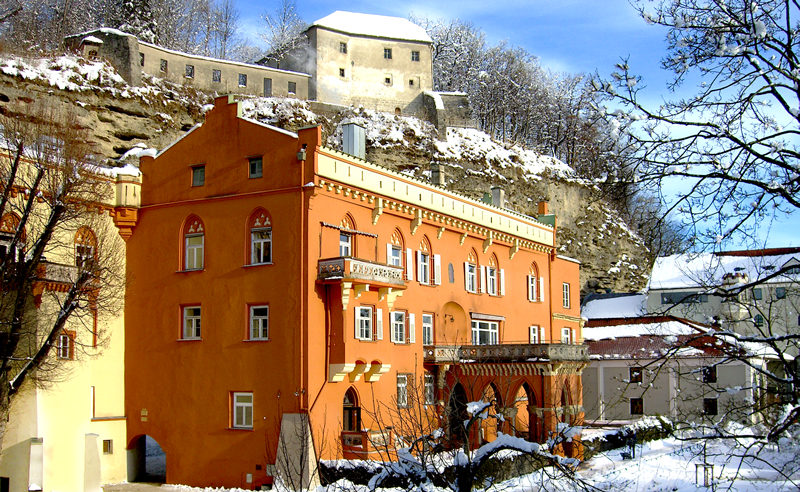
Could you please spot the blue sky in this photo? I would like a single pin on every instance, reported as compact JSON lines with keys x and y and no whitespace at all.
{"x":575,"y":36}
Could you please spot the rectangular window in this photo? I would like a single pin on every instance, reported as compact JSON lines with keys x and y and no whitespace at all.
{"x":342,"y":47}
{"x":364,"y":322}
{"x":757,"y":294}
{"x":710,"y":374}
{"x":534,"y":334}
{"x":163,"y":65}
{"x":710,"y":406}
{"x":637,"y":406}
{"x":141,"y":59}
{"x":191,"y":323}
{"x":387,"y":80}
{"x":243,"y":410}
{"x":566,"y":295}
{"x":341,"y":72}
{"x":430,"y":390}
{"x":398,"y":326}
{"x":491,"y":277}
{"x":261,"y":245}
{"x":415,"y":56}
{"x":216,"y":76}
{"x":198,"y":175}
{"x":424,"y":272}
{"x":394,"y":255}
{"x":256,"y":167}
{"x":345,"y":244}
{"x":780,"y":292}
{"x":267,"y":87}
{"x":259,"y":322}
{"x":411,"y":82}
{"x":402,"y":391}
{"x":672,"y":298}
{"x":84,"y":257}
{"x":387,"y":53}
{"x":292,"y":87}
{"x":565,"y":335}
{"x":108,"y":446}
{"x":194,"y":251}
{"x":635,"y":374}
{"x":532,"y":288}
{"x":427,"y":329}
{"x":484,"y":332}
{"x":242,"y":80}
{"x":189,"y":72}
{"x":66,"y":346}
{"x":470,"y":274}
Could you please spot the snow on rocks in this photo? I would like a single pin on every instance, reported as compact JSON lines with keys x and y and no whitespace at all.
{"x":279,"y":111}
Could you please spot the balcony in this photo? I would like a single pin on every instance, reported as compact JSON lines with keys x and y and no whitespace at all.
{"x":367,"y":444}
{"x":546,"y":352}
{"x":356,"y":271}
{"x":57,"y":273}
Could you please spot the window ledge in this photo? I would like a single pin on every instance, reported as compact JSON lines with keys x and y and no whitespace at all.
{"x":249,"y":429}
{"x":192,"y":270}
{"x":189,"y":340}
{"x":249,"y":265}
{"x":105,"y":419}
{"x":257,"y":340}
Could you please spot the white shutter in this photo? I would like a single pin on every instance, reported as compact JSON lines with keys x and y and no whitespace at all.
{"x":502,"y":282}
{"x":379,"y":323}
{"x":534,"y":330}
{"x":565,"y":335}
{"x":541,"y":334}
{"x":412,"y":328}
{"x":437,"y":269}
{"x":572,"y":338}
{"x":409,"y":264}
{"x":419,"y":266}
{"x":388,"y":253}
{"x":355,"y":322}
{"x":541,"y":289}
{"x":466,"y":276}
{"x":482,"y":287}
{"x":391,"y":326}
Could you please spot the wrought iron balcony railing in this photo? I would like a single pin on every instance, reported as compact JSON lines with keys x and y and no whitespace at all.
{"x":507,"y":352}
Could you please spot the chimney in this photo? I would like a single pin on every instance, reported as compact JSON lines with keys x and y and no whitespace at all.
{"x":354,"y":140}
{"x":498,"y":197}
{"x":437,"y":175}
{"x":542,"y":208}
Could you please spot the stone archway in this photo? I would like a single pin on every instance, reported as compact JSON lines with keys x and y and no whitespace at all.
{"x":147,"y":462}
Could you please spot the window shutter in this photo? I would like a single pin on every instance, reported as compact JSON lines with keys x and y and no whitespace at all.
{"x":412,"y":331}
{"x":502,"y":282}
{"x":466,"y":276}
{"x":355,"y":321}
{"x":437,"y":269}
{"x":391,"y":327}
{"x":409,"y":264}
{"x":482,"y":287}
{"x":534,"y":330}
{"x":419,"y":266}
{"x":541,"y":289}
{"x":388,"y":253}
{"x":541,"y":334}
{"x":379,"y":323}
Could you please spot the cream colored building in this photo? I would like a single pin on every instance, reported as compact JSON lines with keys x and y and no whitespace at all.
{"x":375,"y":61}
{"x":70,"y":435}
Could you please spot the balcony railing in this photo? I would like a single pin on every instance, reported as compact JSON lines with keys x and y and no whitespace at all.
{"x":360,"y":271}
{"x":56,"y":272}
{"x":507,"y":352}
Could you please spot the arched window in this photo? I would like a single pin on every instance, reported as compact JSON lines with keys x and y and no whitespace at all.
{"x":260,"y":227}
{"x":85,"y":248}
{"x":494,"y":277}
{"x":471,"y":272}
{"x":347,"y":244}
{"x":194,"y":243}
{"x":429,"y":265}
{"x":535,"y":284}
{"x":8,"y":229}
{"x":351,"y":412}
{"x":395,"y":248}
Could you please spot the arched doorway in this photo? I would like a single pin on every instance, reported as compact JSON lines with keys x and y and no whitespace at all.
{"x":351,"y":411}
{"x":147,"y":462}
{"x":456,"y":416}
{"x":491,"y":425}
{"x":526,"y":423}
{"x":566,"y":420}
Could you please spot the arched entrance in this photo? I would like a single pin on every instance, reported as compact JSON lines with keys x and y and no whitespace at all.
{"x":566,"y":419}
{"x":147,"y":462}
{"x":351,"y":411}
{"x":456,"y":416}
{"x":492,"y":424}
{"x":526,"y":423}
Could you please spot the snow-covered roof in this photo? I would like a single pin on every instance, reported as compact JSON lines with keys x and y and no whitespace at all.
{"x":707,"y":269}
{"x":672,"y":327}
{"x":92,"y":39}
{"x":615,"y":306}
{"x":378,"y":26}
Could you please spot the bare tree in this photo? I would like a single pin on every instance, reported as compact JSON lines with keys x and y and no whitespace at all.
{"x":61,"y":261}
{"x":284,"y":30}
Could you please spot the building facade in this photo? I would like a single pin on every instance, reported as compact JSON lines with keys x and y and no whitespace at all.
{"x":69,"y":432}
{"x":281,"y":293}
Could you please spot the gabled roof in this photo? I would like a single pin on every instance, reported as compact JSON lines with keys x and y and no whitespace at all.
{"x":376,"y":26}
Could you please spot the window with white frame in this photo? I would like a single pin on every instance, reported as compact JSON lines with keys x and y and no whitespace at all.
{"x":402,"y":391}
{"x":243,"y":410}
{"x":534,"y":334}
{"x":191,"y":323}
{"x":424,"y":268}
{"x":485,"y":332}
{"x":259,"y":322}
{"x":471,"y":277}
{"x":566,"y":295}
{"x":427,"y":329}
{"x":65,"y":348}
{"x":565,"y":335}
{"x":364,"y":322}
{"x":398,"y":326}
{"x":256,"y":165}
{"x":261,"y":245}
{"x":345,"y":244}
{"x":532,"y":294}
{"x":491,"y":278}
{"x":198,"y":175}
{"x":194,"y":251}
{"x":430,"y":390}
{"x":394,"y":255}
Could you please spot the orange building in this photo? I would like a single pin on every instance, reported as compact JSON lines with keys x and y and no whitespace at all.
{"x":277,"y":288}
